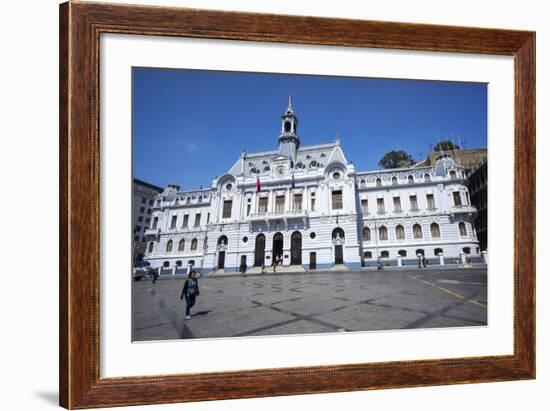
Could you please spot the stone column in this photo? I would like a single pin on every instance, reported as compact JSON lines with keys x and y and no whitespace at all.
{"x":399,"y":262}
{"x":441,"y":259}
{"x":485,"y":257}
{"x":463,"y":258}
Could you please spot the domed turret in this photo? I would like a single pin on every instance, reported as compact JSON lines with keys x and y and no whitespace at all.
{"x":288,"y":139}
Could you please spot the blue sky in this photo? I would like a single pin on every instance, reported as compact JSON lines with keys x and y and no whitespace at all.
{"x":190,"y":125}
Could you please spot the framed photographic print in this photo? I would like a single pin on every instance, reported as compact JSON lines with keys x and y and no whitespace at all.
{"x":259,"y":205}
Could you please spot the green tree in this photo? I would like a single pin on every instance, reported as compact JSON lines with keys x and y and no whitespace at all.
{"x":446,"y":145}
{"x":396,"y":159}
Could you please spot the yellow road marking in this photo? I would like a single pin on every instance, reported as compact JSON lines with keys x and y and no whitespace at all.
{"x":445,"y":290}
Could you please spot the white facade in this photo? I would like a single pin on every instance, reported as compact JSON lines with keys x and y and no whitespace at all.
{"x":143,"y":198}
{"x":313,"y":209}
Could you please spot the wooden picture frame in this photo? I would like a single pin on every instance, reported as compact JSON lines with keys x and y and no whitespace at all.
{"x":80,"y":27}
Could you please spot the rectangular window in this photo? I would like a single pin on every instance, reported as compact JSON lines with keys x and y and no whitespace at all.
{"x":365,"y":206}
{"x":136,"y":238}
{"x":142,"y":209}
{"x":174,"y":220}
{"x":248,"y":209}
{"x":185,"y":220}
{"x":397,"y":204}
{"x":337,"y":200}
{"x":208,"y":218}
{"x":297,"y":201}
{"x":313,"y":204}
{"x":143,"y":200}
{"x":456,"y":198}
{"x":197,"y":220}
{"x":140,"y":218}
{"x":155,"y":223}
{"x":414,"y":203}
{"x":147,"y":220}
{"x":280,"y":204}
{"x":262,"y":205}
{"x":227,"y":204}
{"x":148,"y":211}
{"x":431,"y":201}
{"x":381,"y":206}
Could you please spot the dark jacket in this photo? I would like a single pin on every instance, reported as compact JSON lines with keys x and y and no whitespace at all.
{"x":186,"y":288}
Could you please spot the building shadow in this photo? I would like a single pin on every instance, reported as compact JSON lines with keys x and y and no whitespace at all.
{"x":51,"y":397}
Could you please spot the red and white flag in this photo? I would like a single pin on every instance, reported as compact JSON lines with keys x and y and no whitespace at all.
{"x":258,"y":185}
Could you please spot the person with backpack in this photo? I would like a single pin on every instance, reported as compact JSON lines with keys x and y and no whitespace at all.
{"x":190,"y":292}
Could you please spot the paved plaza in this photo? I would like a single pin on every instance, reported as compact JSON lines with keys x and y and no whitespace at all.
{"x":304,"y":303}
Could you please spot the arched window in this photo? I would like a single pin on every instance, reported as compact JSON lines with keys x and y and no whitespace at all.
{"x":402,"y":253}
{"x":400,"y":232}
{"x":169,"y":246}
{"x":462,"y":229}
{"x":363,"y":184}
{"x":366,"y":234}
{"x":166,"y":264}
{"x":394,"y":181}
{"x":181,"y":245}
{"x":419,"y":251}
{"x":378,"y":182}
{"x":466,"y":250}
{"x":434,"y":229}
{"x":410,"y":179}
{"x":417,"y":231}
{"x":151,"y":245}
{"x":367,"y":254}
{"x":438,"y":251}
{"x":193,"y":244}
{"x":188,"y":201}
{"x":222,"y":240}
{"x":338,"y":233}
{"x":177,"y":201}
{"x":200,"y":199}
{"x":427,"y":177}
{"x":287,"y":126}
{"x":383,"y":233}
{"x":452,"y":174}
{"x":385,"y":254}
{"x":178,"y":263}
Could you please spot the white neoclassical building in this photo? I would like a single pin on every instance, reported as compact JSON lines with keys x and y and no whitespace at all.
{"x":310,"y":207}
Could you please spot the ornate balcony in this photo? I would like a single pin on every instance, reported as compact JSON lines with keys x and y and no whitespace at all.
{"x":152,"y":232}
{"x":463,"y":208}
{"x":285,"y":215}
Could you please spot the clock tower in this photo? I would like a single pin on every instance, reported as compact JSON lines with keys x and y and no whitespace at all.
{"x":288,"y":139}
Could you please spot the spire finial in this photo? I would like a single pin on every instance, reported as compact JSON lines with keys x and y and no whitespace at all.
{"x":289,"y":100}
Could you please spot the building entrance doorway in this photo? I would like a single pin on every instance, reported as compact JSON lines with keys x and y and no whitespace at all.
{"x":312,"y":261}
{"x":338,"y":254}
{"x":259,"y":251}
{"x":296,"y":248}
{"x":221,"y":260}
{"x":277,"y":247}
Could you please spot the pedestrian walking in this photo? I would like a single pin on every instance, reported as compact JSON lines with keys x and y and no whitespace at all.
{"x":379,"y":263}
{"x":155,"y":276}
{"x":190,"y":292}
{"x":423,"y":261}
{"x":243,"y":268}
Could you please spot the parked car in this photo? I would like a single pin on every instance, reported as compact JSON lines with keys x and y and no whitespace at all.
{"x":143,"y":269}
